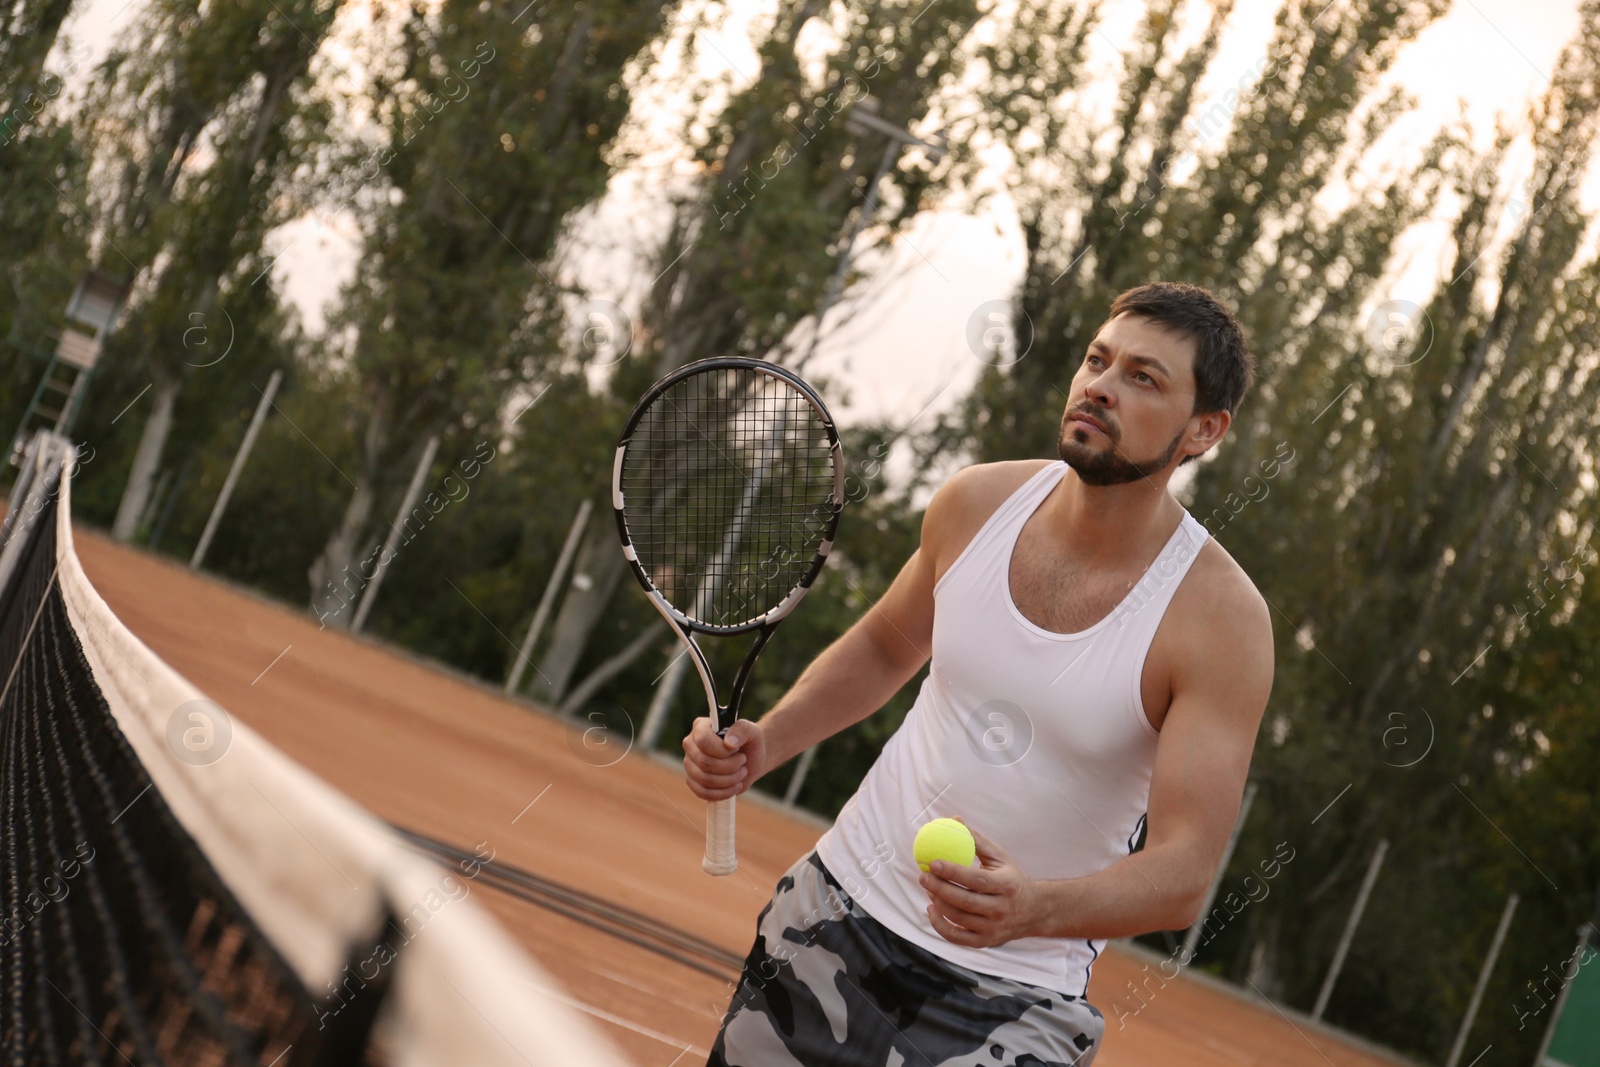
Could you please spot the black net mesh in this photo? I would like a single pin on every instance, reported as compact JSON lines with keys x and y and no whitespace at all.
{"x":728,"y":485}
{"x":119,"y":944}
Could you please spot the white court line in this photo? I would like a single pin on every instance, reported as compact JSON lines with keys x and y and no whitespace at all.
{"x":623,"y":980}
{"x":626,"y":1024}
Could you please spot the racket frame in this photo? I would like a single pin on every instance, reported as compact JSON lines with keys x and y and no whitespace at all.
{"x":720,"y":857}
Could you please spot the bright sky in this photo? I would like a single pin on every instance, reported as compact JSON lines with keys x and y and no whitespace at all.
{"x":909,"y":352}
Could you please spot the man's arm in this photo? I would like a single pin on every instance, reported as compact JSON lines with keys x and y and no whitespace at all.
{"x":859,"y":672}
{"x":1220,"y":686}
{"x":852,"y":678}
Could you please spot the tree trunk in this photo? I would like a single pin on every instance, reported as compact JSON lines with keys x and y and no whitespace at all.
{"x":1262,"y":970}
{"x":335,"y":586}
{"x":600,"y":568}
{"x":147,"y":459}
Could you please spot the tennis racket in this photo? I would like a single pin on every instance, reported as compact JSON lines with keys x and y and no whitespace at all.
{"x":728,"y":485}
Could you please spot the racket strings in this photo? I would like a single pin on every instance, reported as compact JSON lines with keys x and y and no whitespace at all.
{"x":729,"y":488}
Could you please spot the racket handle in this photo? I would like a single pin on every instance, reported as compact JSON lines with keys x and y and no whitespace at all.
{"x":720,"y":858}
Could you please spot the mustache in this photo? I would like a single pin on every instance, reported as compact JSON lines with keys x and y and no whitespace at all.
{"x":1093,"y":411}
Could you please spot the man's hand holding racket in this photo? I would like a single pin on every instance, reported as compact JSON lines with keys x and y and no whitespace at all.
{"x":725,"y":766}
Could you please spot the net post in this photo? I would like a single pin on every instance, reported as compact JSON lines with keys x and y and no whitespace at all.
{"x":19,"y":491}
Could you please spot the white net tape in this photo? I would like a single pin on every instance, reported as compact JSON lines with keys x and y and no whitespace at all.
{"x":315,"y":871}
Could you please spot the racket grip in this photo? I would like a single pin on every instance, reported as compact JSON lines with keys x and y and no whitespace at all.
{"x":720,"y":858}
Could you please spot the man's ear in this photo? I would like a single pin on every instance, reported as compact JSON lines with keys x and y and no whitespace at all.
{"x":1209,"y":429}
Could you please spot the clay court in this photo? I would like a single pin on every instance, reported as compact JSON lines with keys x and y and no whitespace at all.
{"x":449,"y":758}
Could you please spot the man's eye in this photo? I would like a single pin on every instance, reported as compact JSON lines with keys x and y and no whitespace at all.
{"x":1146,"y":377}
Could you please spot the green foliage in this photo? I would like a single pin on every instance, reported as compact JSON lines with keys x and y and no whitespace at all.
{"x":269,"y":533}
{"x":495,"y":123}
{"x":1433,"y":495}
{"x":498,"y":539}
{"x":198,"y":119}
{"x":1544,"y":797}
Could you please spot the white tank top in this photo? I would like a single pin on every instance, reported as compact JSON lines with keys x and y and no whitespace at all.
{"x":1038,"y":740}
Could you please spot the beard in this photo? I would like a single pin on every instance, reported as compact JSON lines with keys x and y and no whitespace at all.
{"x":1108,"y":467}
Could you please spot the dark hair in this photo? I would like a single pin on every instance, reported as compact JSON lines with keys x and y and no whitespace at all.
{"x":1224,"y":369}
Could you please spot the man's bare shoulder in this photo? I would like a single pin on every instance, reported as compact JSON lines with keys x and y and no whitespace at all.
{"x":975,"y":492}
{"x":966,"y":501}
{"x":1221,"y":607}
{"x":985,"y":486}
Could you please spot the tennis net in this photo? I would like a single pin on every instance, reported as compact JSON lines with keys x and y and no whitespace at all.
{"x":161,"y":908}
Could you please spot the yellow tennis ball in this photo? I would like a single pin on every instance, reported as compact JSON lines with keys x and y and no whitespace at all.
{"x":944,"y":839}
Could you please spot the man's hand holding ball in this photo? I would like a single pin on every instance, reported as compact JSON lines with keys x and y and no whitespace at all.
{"x":978,"y":906}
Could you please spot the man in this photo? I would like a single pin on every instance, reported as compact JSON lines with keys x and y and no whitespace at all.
{"x":1099,"y":668}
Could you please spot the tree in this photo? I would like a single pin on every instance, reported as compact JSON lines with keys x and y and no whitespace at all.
{"x":1162,"y":202}
{"x":199,"y":124}
{"x":28,"y":33}
{"x":1433,"y":494}
{"x":43,"y":238}
{"x":495,"y":129}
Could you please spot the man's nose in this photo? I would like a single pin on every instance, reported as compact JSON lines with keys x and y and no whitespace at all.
{"x":1098,"y":390}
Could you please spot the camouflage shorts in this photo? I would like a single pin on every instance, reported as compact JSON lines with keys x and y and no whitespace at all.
{"x":825,"y":985}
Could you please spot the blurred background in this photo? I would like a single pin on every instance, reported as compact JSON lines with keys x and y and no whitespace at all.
{"x":443,"y":246}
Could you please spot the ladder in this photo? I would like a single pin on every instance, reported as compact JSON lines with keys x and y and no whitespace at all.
{"x":55,"y":402}
{"x":91,"y":314}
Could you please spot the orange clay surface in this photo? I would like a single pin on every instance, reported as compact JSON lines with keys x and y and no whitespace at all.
{"x":431,"y":752}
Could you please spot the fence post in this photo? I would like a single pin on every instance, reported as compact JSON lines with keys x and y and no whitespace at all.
{"x":1349,"y":930}
{"x":370,"y":593}
{"x":1192,"y":939}
{"x":799,"y":778}
{"x":1483,"y":981}
{"x":1585,"y":932}
{"x":233,"y":472}
{"x":557,"y":577}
